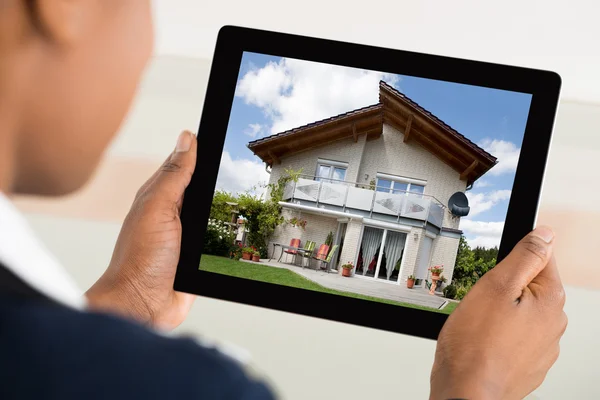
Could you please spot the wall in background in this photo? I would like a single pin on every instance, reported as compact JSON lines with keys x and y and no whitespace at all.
{"x":307,"y":357}
{"x":555,"y":35}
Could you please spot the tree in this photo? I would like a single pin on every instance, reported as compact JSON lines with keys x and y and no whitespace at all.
{"x":471,"y":265}
{"x":219,"y":209}
{"x":262,"y":217}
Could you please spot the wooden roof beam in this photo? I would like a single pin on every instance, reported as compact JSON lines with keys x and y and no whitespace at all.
{"x":407,"y":129}
{"x":275,"y":159}
{"x":465,"y":174}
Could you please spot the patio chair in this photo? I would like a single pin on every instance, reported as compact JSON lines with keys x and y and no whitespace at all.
{"x":322,"y":253}
{"x":309,"y":248}
{"x":327,"y":261}
{"x":293,"y":243}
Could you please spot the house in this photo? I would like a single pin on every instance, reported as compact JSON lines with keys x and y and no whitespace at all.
{"x":380,"y":179}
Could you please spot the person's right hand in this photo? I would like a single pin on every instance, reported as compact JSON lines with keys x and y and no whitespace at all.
{"x":504,"y":336}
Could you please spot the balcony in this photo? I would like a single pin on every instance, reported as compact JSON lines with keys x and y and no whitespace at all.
{"x":365,"y":200}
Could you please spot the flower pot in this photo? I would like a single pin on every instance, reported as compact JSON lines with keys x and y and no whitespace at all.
{"x":410,"y":283}
{"x":255,"y":258}
{"x":346,"y":272}
{"x":247,"y":256}
{"x":435,"y":274}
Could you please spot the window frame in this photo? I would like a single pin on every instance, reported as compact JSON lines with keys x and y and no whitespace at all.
{"x":332,"y":166}
{"x":409,"y":182}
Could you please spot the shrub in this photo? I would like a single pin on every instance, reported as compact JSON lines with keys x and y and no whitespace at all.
{"x":461,"y":292}
{"x":236,"y":252}
{"x":217,"y":239}
{"x":450,"y":292}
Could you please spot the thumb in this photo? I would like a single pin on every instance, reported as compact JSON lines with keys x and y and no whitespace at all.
{"x":175,"y":174}
{"x":529,"y":257}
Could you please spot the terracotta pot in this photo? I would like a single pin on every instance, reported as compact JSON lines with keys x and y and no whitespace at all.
{"x":410,"y":283}
{"x":346,"y":272}
{"x":247,"y":256}
{"x":435,"y":274}
{"x":255,"y":258}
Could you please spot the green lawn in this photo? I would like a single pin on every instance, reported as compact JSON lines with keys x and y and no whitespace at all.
{"x":281,"y":276}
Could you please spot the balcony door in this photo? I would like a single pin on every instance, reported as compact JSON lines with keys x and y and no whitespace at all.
{"x":380,"y":254}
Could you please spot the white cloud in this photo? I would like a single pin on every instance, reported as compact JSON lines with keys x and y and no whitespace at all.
{"x":481,"y":202}
{"x":507,"y":154}
{"x":483,"y":234}
{"x":253,"y":130}
{"x":481,"y":183}
{"x":240,"y":175}
{"x":293,"y":93}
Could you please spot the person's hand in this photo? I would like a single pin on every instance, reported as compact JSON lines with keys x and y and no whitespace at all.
{"x":503,"y":338}
{"x":139,"y":280}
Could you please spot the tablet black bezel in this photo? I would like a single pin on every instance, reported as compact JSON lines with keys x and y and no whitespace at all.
{"x":232,"y":42}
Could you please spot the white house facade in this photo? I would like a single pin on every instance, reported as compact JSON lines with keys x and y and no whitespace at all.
{"x":379,"y":178}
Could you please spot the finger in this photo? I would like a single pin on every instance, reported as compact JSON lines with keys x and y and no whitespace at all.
{"x":529,"y":257}
{"x":175,"y":174}
{"x":150,"y":180}
{"x":547,"y":285}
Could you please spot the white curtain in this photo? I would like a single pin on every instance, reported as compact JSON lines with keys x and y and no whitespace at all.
{"x":370,"y":243}
{"x":394,"y":244}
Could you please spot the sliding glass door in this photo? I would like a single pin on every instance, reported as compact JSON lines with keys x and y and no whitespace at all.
{"x":380,"y":254}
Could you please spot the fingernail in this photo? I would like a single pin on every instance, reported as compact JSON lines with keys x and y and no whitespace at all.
{"x":544,"y":233}
{"x":184,"y":142}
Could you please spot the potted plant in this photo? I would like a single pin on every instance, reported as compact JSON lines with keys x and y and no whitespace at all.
{"x":410,"y":281}
{"x":440,"y":284}
{"x":347,"y":269}
{"x":297,"y":222}
{"x":256,"y":256}
{"x":247,"y":253}
{"x":436,"y":270}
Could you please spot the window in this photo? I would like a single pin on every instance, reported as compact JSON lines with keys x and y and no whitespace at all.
{"x":331,"y":171}
{"x":399,"y":185}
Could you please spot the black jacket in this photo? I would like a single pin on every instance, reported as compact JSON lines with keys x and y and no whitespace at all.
{"x":48,"y":351}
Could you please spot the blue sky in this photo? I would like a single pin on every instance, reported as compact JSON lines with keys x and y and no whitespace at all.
{"x":276,"y":94}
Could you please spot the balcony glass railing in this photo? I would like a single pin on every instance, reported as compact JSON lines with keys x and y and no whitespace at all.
{"x":355,"y":196}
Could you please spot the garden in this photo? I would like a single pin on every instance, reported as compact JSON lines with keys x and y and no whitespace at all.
{"x":471,"y":265}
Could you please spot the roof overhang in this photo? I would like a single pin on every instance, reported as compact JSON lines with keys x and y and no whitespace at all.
{"x":395,"y":109}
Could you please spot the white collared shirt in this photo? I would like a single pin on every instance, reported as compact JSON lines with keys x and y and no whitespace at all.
{"x":26,"y":257}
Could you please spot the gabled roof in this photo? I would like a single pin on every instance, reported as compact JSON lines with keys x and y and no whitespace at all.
{"x":394,"y":108}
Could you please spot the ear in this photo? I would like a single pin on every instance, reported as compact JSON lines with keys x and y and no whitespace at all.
{"x":64,"y":21}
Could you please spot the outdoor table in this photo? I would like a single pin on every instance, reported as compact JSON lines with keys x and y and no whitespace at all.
{"x":285,"y":247}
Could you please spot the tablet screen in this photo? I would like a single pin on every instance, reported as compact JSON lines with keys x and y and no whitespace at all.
{"x":382,"y":187}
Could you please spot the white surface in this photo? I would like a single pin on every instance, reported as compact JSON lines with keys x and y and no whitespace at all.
{"x":315,"y":359}
{"x":555,"y":35}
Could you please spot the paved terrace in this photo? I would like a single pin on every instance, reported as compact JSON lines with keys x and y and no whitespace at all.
{"x":333,"y":280}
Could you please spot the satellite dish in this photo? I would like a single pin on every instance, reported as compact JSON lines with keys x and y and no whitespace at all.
{"x":459,"y":205}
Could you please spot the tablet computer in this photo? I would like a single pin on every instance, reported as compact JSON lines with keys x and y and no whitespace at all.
{"x":360,"y":184}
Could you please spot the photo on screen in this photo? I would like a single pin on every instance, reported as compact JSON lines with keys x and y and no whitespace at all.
{"x":381,"y":187}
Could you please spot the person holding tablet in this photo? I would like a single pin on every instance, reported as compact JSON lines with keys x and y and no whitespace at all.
{"x":68,"y":72}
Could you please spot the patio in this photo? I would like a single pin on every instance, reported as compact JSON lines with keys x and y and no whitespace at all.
{"x":420,"y":297}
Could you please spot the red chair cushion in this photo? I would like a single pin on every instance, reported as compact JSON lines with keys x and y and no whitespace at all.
{"x":322,"y":253}
{"x":293,"y":243}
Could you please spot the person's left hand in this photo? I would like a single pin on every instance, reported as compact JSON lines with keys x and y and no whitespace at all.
{"x":139,"y":280}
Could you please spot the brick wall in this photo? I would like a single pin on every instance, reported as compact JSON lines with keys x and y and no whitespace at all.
{"x":411,"y":253}
{"x":317,"y":229}
{"x":351,"y":243}
{"x":343,"y":151}
{"x":444,"y":252}
{"x":390,"y":155}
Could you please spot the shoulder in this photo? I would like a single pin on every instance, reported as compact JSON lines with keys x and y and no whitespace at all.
{"x":84,"y":353}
